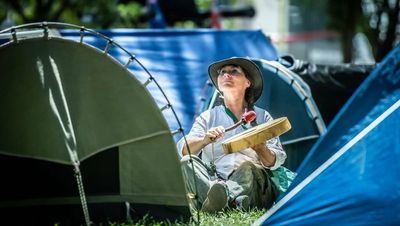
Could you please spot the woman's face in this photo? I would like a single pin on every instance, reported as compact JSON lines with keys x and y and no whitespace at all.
{"x":232,"y":78}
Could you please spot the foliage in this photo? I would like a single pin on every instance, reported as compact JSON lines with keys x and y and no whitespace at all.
{"x":345,"y":17}
{"x":206,"y":4}
{"x":98,"y":13}
{"x":203,"y":4}
{"x":381,"y":24}
{"x":90,"y":13}
{"x":377,"y":19}
{"x":231,"y":217}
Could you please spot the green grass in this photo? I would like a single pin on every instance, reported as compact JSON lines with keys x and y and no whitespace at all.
{"x":230,"y":217}
{"x":233,"y":217}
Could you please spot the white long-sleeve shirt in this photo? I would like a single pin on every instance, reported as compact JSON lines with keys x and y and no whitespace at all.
{"x":213,"y":152}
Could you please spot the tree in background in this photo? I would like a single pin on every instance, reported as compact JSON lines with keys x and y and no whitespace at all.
{"x":91,"y":13}
{"x":377,"y":19}
{"x":345,"y":16}
{"x":383,"y":25}
{"x":120,"y":13}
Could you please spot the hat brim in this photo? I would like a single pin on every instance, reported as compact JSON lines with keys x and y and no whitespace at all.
{"x":252,"y":71}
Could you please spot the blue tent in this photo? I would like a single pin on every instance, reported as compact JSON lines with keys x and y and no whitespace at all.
{"x":178,"y":60}
{"x":351,"y":176}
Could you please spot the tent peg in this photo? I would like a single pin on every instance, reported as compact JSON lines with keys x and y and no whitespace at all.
{"x":82,"y":34}
{"x":150,"y":79}
{"x":176,"y":131}
{"x":109,"y":44}
{"x":45,"y":30}
{"x":14,"y":35}
{"x":167,"y":106}
{"x":132,"y":58}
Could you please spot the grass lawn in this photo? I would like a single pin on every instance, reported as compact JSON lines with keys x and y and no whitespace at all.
{"x":231,"y":217}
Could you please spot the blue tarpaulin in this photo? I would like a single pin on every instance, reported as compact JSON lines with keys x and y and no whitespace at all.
{"x":351,"y":176}
{"x":178,"y":60}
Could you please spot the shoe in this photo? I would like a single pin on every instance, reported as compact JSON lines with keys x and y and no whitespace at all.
{"x":242,"y":202}
{"x":217,"y":198}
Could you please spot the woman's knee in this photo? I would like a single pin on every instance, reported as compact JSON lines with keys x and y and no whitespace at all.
{"x":193,"y":163}
{"x":246,"y":167}
{"x":189,"y":158}
{"x":244,"y":173}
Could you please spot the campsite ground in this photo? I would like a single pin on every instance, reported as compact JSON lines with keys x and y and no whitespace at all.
{"x":232,"y":217}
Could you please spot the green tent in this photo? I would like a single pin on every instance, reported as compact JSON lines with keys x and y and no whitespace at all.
{"x":71,"y":115}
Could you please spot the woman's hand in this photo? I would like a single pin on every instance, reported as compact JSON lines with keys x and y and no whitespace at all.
{"x":266,"y":156}
{"x":196,"y":144}
{"x":213,"y":134}
{"x":261,"y":147}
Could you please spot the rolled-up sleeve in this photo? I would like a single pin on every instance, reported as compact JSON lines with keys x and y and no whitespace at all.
{"x":198,"y":130}
{"x":275,"y":146}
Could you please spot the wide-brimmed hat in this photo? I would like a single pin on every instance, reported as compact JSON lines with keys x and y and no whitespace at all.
{"x":252,"y":71}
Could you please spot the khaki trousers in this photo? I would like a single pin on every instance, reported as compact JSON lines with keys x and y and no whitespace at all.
{"x":248,"y":180}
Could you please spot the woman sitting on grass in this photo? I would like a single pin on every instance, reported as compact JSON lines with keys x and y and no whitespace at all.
{"x":241,"y":179}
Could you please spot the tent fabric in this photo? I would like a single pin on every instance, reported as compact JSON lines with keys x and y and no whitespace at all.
{"x":62,"y":98}
{"x":287,"y":95}
{"x":178,"y":60}
{"x":68,"y":100}
{"x":331,"y":84}
{"x":351,"y":175}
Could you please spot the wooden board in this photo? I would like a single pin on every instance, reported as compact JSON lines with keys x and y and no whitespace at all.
{"x":256,"y":135}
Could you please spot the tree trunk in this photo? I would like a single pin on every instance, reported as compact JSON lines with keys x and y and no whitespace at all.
{"x":351,"y":12}
{"x":386,"y":45}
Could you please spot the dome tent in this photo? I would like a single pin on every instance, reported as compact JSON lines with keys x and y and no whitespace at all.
{"x":79,"y":128}
{"x":350,"y":177}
